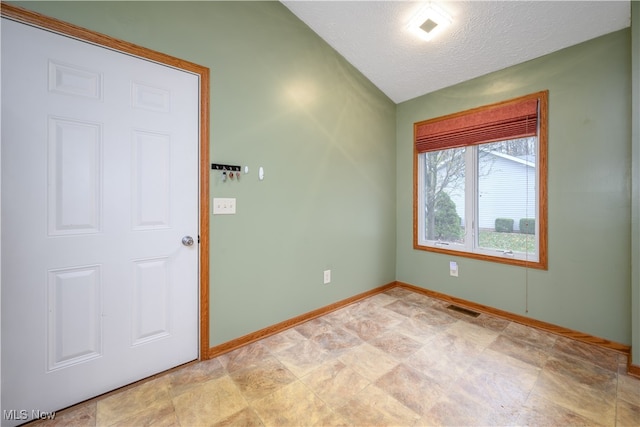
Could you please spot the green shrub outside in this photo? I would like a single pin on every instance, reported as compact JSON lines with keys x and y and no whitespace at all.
{"x":528,"y":225}
{"x":447,"y":221}
{"x":504,"y":225}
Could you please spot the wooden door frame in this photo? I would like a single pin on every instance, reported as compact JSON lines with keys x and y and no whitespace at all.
{"x":64,"y":28}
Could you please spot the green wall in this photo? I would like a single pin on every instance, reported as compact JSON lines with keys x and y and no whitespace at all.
{"x":587,"y":285}
{"x":282,"y":99}
{"x":338,"y":163}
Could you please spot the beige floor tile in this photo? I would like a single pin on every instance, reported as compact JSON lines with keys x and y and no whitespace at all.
{"x":366,"y":328}
{"x":292,"y":405}
{"x":444,"y":358}
{"x":582,"y":372}
{"x":627,"y":414}
{"x":541,"y":339}
{"x":209,"y":403}
{"x":400,"y":293}
{"x":476,"y":334}
{"x":335,"y":383}
{"x":541,"y":412}
{"x":334,"y":420}
{"x":498,"y":393}
{"x":303,"y":357}
{"x":339,"y":317}
{"x":604,"y":358}
{"x":381,"y":299}
{"x":589,"y":402}
{"x":374,"y":407}
{"x":410,"y":387}
{"x":456,"y":409}
{"x":83,"y":414}
{"x":520,"y":350}
{"x":314,"y":327}
{"x":521,"y":373}
{"x":407,"y":309}
{"x":336,"y":341}
{"x":375,"y":311}
{"x":629,"y":389}
{"x":396,"y":344}
{"x":258,"y":381}
{"x":131,"y":401}
{"x":417,"y":329}
{"x":368,"y":361}
{"x":363,"y":307}
{"x":163,"y":416}
{"x":283,"y":340}
{"x":244,"y":418}
{"x":194,"y":374}
{"x":244,"y":357}
{"x":449,"y":412}
{"x":386,"y":317}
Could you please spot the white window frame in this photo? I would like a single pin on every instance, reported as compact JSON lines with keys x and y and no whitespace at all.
{"x":471,"y":237}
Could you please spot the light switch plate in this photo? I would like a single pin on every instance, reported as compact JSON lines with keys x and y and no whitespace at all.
{"x":327,"y":277}
{"x":453,"y":269}
{"x":224,"y":206}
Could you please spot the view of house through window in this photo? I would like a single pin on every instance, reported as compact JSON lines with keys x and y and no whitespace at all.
{"x":483,"y":199}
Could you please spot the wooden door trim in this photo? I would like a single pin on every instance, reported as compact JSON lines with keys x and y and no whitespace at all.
{"x":64,"y":28}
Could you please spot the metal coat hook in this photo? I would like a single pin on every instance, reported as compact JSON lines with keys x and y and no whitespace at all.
{"x":228,"y":171}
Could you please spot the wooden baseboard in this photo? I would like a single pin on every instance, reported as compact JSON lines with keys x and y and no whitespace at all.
{"x":290,"y":323}
{"x":538,"y":324}
{"x":527,"y":321}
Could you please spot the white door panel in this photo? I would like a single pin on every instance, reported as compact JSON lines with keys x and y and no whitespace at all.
{"x":99,"y":185}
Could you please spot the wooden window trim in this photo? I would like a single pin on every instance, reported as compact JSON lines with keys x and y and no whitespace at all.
{"x":542,"y":166}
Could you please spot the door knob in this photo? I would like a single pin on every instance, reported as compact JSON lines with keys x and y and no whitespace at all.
{"x":187,"y":241}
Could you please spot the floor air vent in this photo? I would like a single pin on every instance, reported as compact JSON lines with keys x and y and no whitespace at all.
{"x":463,"y":310}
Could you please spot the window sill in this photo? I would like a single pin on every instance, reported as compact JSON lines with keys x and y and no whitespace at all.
{"x":540,"y":265}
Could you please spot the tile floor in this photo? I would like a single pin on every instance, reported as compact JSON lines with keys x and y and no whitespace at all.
{"x":395,"y":359}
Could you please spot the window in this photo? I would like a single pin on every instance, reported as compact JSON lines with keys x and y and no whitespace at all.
{"x":480,"y":183}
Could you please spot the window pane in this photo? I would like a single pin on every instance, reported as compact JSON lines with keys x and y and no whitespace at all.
{"x":507,"y":196}
{"x":444,"y":196}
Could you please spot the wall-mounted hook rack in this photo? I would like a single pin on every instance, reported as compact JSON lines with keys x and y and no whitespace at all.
{"x":227,"y":168}
{"x":228,"y":171}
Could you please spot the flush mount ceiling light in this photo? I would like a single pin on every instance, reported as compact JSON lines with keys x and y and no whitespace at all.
{"x":429,"y":21}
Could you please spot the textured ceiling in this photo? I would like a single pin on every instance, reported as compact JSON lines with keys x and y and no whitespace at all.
{"x":485,"y":36}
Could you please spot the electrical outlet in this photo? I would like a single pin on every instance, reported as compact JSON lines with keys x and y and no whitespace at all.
{"x":327,"y":277}
{"x":453,"y":269}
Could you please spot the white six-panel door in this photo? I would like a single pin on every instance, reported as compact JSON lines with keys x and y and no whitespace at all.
{"x":99,"y":187}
